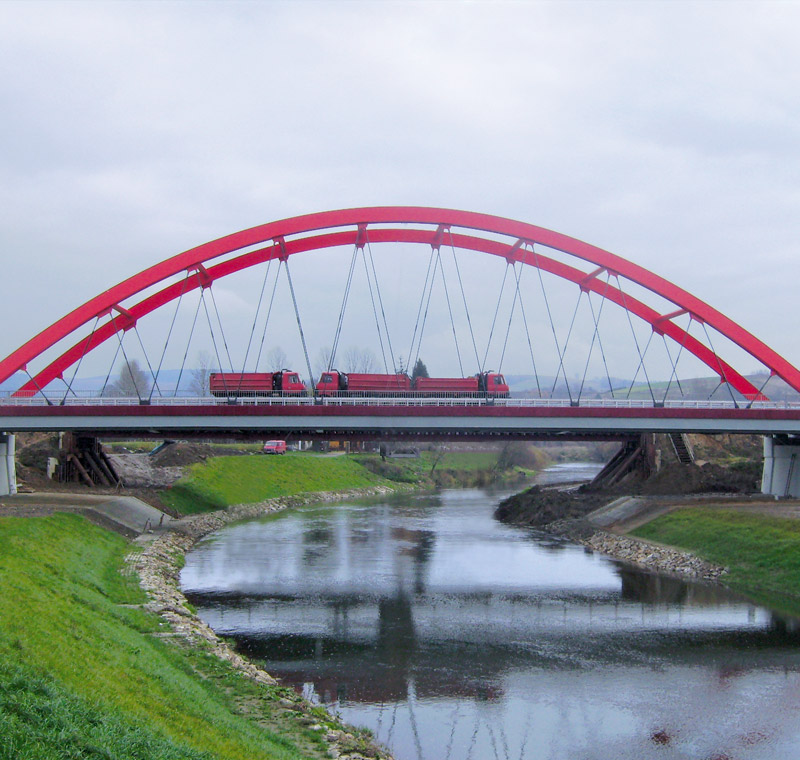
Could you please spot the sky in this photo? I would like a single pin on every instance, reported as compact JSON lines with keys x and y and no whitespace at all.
{"x":667,"y":133}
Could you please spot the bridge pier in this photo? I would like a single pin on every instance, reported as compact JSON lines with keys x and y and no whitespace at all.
{"x":8,"y":470}
{"x":781,"y":475}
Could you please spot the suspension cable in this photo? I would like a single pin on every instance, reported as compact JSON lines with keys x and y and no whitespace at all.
{"x":552,"y":326}
{"x":110,"y":370}
{"x":760,"y":390}
{"x":337,"y":334}
{"x":375,"y":311}
{"x":253,"y":328}
{"x":494,"y":319}
{"x":450,"y":311}
{"x":674,"y":374}
{"x":125,"y":355}
{"x":561,"y":368}
{"x":78,"y":365}
{"x":169,"y":332}
{"x":464,"y":299}
{"x":38,"y":387}
{"x":300,"y":326}
{"x":595,"y":338}
{"x":419,"y":310}
{"x":380,"y":302}
{"x":510,"y":317}
{"x":214,"y":340}
{"x":189,"y":342}
{"x":266,"y":321}
{"x":425,"y":315}
{"x":147,"y":360}
{"x":719,"y":365}
{"x":221,"y":331}
{"x":638,"y":349}
{"x":528,"y":333}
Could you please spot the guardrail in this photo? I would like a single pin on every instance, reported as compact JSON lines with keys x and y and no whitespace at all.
{"x":425,"y":401}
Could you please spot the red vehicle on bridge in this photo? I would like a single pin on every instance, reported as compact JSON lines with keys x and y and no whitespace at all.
{"x":340,"y":383}
{"x":234,"y":384}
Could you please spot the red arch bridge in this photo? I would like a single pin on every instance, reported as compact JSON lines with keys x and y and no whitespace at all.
{"x":592,"y":344}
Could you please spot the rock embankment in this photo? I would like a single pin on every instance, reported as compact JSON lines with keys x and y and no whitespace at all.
{"x":158,"y":566}
{"x":568,"y":513}
{"x":643,"y":554}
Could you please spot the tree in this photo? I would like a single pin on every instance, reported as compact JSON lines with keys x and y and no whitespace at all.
{"x":323,"y":360}
{"x":131,"y":382}
{"x":420,"y":370}
{"x":199,"y":381}
{"x":359,"y":360}
{"x":276,"y":359}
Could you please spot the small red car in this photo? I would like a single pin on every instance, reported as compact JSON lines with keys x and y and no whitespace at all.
{"x":275,"y":447}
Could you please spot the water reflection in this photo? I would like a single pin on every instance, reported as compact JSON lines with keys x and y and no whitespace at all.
{"x":451,"y":635}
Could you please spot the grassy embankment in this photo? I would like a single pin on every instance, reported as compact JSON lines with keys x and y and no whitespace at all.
{"x":85,"y":674}
{"x":221,"y":481}
{"x":761,"y":552}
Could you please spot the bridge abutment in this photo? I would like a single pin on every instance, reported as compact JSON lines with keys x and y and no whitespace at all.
{"x":781,"y":475}
{"x":8,"y":470}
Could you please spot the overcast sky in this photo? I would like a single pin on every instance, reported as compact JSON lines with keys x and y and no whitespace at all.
{"x":667,"y":133}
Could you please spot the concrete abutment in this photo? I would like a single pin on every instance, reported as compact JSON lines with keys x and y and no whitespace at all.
{"x":8,"y":469}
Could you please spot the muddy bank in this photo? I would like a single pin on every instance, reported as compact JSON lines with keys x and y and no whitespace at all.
{"x":158,"y":565}
{"x":538,"y":507}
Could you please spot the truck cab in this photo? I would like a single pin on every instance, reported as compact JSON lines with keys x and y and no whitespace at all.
{"x":287,"y":380}
{"x":331,"y":381}
{"x":493,"y":384}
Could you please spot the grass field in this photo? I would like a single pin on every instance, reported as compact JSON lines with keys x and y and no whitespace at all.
{"x":82,"y":674}
{"x":761,"y":552}
{"x":221,"y":481}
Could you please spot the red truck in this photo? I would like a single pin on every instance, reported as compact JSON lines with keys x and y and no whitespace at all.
{"x":233,"y":384}
{"x":364,"y":384}
{"x":340,"y":383}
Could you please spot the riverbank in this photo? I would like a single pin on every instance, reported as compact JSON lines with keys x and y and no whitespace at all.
{"x":131,"y":672}
{"x":747,"y":542}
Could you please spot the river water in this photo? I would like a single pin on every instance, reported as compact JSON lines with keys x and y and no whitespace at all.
{"x":451,"y":635}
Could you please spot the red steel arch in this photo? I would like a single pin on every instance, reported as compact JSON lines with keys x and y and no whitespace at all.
{"x":361,"y":223}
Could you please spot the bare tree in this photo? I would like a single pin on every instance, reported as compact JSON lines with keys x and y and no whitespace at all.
{"x":359,"y":360}
{"x":276,"y":359}
{"x":199,"y":381}
{"x":132,"y":382}
{"x":323,"y":360}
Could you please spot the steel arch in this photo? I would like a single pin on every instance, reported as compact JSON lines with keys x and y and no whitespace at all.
{"x":360,"y":221}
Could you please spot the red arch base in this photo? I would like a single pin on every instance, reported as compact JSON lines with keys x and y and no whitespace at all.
{"x":298,"y":234}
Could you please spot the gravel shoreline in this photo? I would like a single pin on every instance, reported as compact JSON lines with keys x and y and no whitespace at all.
{"x":642,"y":554}
{"x":158,"y":566}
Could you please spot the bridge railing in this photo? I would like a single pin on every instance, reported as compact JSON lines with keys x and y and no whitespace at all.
{"x":388,"y":401}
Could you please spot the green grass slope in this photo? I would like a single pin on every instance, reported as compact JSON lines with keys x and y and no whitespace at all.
{"x":84,"y":672}
{"x":221,"y":481}
{"x":761,"y":552}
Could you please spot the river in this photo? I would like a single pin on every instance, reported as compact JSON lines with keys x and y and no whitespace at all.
{"x":451,"y":635}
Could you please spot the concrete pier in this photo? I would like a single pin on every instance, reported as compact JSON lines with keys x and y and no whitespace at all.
{"x":781,"y":476}
{"x":8,"y":472}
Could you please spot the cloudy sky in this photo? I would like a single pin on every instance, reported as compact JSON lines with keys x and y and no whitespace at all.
{"x":667,"y":133}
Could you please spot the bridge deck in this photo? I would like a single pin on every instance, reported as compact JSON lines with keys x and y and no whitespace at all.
{"x":442,"y":418}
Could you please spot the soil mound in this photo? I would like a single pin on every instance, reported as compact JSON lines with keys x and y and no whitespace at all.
{"x":540,"y":506}
{"x":182,"y":454}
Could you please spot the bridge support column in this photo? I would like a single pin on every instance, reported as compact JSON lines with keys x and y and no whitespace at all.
{"x":781,"y":475}
{"x":8,"y":470}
